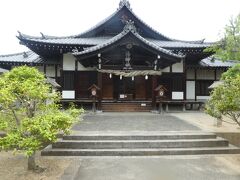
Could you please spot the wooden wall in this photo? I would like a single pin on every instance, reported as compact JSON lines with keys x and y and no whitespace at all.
{"x":107,"y":87}
{"x":83,"y":81}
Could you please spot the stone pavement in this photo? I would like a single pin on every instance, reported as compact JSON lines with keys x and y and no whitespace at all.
{"x":156,"y":168}
{"x":206,"y":122}
{"x":132,"y":122}
{"x":203,"y":167}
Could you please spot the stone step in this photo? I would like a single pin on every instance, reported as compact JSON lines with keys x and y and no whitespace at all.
{"x":132,"y":144}
{"x":126,"y":110}
{"x":165,"y":136}
{"x":139,"y":152}
{"x":126,"y":107}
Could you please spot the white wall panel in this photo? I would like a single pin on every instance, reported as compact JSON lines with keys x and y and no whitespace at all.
{"x":203,"y":97}
{"x":82,"y":68}
{"x":190,"y":89}
{"x":68,"y":62}
{"x":167,"y":69}
{"x":177,"y":67}
{"x":68,"y":94}
{"x":177,"y":95}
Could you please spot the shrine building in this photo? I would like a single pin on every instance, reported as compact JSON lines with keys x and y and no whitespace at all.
{"x":134,"y":66}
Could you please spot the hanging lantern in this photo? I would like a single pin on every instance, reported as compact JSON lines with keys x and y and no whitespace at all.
{"x":110,"y":76}
{"x":146,"y":77}
{"x":120,"y":77}
{"x":133,"y":78}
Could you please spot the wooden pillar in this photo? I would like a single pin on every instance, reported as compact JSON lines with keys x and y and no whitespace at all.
{"x":61,"y":79}
{"x":160,"y":108}
{"x":184,"y":106}
{"x":100,"y":91}
{"x":45,"y":69}
{"x":195,"y":79}
{"x":56,"y":69}
{"x":184,"y":79}
{"x":76,"y":79}
{"x":167,"y":109}
{"x":215,"y":74}
{"x":154,"y":85}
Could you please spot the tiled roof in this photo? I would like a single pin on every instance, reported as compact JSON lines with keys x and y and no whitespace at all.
{"x":115,"y":13}
{"x":180,"y":44}
{"x":145,"y":24}
{"x":216,"y":84}
{"x":155,"y":46}
{"x":53,"y":82}
{"x":93,"y":41}
{"x":82,"y":39}
{"x":68,"y":40}
{"x":25,"y":57}
{"x":120,"y":36}
{"x":3,"y":70}
{"x":102,"y":45}
{"x":213,"y":62}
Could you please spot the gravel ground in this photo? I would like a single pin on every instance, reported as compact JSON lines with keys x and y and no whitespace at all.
{"x":14,"y":167}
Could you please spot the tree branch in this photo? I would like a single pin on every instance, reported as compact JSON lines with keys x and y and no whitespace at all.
{"x":16,"y":118}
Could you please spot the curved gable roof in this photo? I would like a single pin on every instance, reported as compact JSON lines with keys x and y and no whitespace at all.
{"x":113,"y":26}
{"x":129,"y":29}
{"x":124,"y":8}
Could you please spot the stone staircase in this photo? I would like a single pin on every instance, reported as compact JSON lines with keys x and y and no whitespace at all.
{"x":126,"y":107}
{"x":174,"y":143}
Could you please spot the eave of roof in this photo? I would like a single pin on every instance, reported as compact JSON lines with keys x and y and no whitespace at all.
{"x":214,"y":62}
{"x":3,"y":70}
{"x":216,"y":84}
{"x":93,"y":41}
{"x":68,"y":41}
{"x":53,"y":83}
{"x":28,"y":57}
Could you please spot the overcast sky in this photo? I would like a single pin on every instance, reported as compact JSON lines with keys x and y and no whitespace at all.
{"x":178,"y":19}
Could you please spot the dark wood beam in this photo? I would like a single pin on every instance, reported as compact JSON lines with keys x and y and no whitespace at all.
{"x":184,"y":79}
{"x":99,"y":77}
{"x":56,"y":70}
{"x":154,"y":85}
{"x":195,"y":78}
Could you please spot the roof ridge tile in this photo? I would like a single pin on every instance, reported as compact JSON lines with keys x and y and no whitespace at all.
{"x":15,"y":54}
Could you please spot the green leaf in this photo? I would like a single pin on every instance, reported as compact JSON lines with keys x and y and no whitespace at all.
{"x":29,"y":122}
